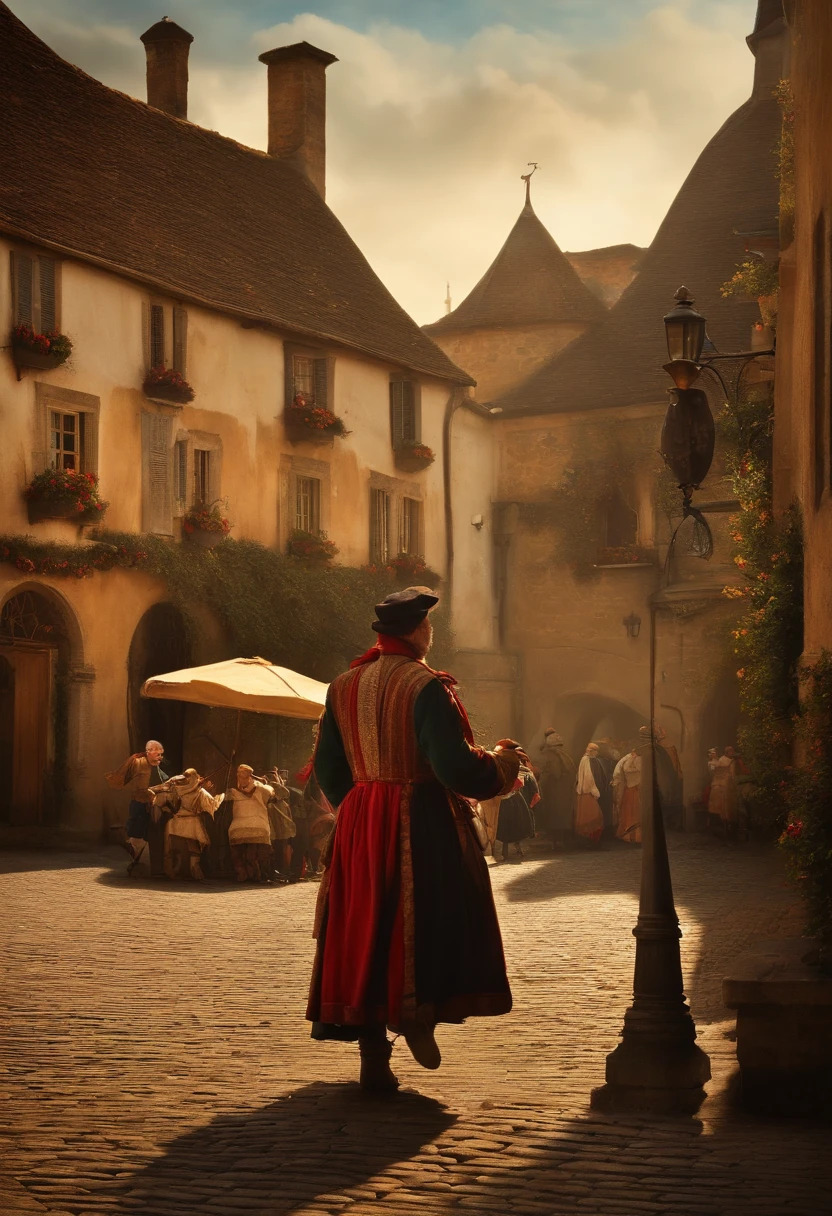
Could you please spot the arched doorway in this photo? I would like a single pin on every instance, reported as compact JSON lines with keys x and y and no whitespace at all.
{"x":582,"y":717}
{"x":34,"y":666}
{"x":160,"y":644}
{"x":720,"y":718}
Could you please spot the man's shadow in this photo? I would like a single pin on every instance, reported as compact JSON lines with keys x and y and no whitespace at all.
{"x":314,"y":1141}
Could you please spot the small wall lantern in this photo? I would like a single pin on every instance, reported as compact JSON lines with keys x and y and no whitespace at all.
{"x":632,"y":624}
{"x":477,"y":522}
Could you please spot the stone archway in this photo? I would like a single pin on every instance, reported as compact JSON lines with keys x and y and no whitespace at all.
{"x":160,"y":643}
{"x":582,"y":717}
{"x":38,"y":641}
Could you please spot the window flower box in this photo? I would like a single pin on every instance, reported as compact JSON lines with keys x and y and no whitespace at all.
{"x":413,"y":457}
{"x":164,"y":384}
{"x":206,"y":526}
{"x":311,"y":546}
{"x":64,"y":494}
{"x":311,"y":423}
{"x":40,"y":351}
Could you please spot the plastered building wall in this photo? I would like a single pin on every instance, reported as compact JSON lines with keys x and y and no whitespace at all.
{"x":238,"y":378}
{"x":578,"y":670}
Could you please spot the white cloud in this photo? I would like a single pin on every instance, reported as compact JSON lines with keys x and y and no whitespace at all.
{"x":427,"y":139}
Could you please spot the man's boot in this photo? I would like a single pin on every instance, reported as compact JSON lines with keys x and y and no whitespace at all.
{"x":423,"y":1046}
{"x":376,"y":1074}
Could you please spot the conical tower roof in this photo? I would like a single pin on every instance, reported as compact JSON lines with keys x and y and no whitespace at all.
{"x":731,"y":189}
{"x":529,"y":282}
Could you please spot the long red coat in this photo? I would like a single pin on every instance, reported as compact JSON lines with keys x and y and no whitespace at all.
{"x":406,"y":919}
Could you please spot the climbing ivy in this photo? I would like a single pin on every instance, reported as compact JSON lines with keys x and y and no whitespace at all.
{"x":305,"y":615}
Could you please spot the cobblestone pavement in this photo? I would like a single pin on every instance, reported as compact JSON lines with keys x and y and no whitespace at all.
{"x":154,"y":1060}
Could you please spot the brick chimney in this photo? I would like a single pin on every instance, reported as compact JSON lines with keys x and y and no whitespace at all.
{"x":167,"y":46}
{"x":297,"y":108}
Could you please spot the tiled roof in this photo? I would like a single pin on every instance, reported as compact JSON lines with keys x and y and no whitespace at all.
{"x":104,"y":177}
{"x":529,"y":282}
{"x":731,"y":187}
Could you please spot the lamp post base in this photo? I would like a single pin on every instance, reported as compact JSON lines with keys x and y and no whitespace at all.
{"x":657,"y":1065}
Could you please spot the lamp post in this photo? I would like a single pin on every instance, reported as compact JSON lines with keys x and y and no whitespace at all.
{"x":658,"y":1065}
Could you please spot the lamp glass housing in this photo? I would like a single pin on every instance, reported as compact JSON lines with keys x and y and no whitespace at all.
{"x":685,"y":329}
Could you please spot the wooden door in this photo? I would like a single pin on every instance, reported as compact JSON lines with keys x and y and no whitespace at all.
{"x":32,"y":722}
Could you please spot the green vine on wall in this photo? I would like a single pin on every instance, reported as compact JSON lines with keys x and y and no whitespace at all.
{"x":304,"y":615}
{"x":574,"y":506}
{"x":768,"y":638}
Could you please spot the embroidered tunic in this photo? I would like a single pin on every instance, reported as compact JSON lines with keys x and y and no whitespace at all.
{"x":406,"y":918}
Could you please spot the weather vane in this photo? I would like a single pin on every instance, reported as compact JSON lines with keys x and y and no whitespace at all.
{"x":527,"y":178}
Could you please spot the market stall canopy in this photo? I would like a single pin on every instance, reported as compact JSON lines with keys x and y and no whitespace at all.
{"x":244,"y":684}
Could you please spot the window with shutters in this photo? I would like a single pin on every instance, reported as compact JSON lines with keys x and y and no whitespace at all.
{"x":67,"y":441}
{"x":165,"y":336}
{"x":157,"y":335}
{"x":404,"y":413}
{"x":35,"y":291}
{"x":66,"y":434}
{"x":308,"y":505}
{"x":410,"y":519}
{"x":157,"y":473}
{"x":180,"y":475}
{"x":379,"y":527}
{"x":202,"y":477}
{"x":308,"y":376}
{"x":309,"y":380}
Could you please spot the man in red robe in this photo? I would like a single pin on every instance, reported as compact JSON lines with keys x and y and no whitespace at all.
{"x":407,"y":930}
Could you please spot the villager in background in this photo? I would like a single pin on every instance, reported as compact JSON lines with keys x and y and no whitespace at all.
{"x":249,"y":832}
{"x":724,"y":801}
{"x":589,"y":820}
{"x":713,"y":756}
{"x":406,"y":925}
{"x":515,"y":822}
{"x":603,"y":768}
{"x":145,"y":839}
{"x":190,"y":802}
{"x":489,"y":813}
{"x":669,"y":776}
{"x":554,"y":812}
{"x":283,"y":827}
{"x":627,"y":792}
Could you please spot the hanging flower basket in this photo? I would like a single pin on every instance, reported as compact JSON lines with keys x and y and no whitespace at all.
{"x":164,"y":384}
{"x":41,"y":351}
{"x":311,"y":546}
{"x":311,"y":423}
{"x":64,"y":494}
{"x":413,"y":457}
{"x":206,"y":526}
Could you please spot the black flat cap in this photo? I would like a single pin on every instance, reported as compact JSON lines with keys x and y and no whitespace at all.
{"x":404,"y":611}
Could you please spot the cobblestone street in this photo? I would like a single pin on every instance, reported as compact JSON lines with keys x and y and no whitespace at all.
{"x":155,"y":1059}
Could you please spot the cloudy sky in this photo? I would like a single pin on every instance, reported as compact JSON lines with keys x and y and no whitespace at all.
{"x":436,"y":106}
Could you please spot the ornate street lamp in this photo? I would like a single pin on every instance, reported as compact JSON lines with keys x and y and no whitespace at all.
{"x":658,"y":1065}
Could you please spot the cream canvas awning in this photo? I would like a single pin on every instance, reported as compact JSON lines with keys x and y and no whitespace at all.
{"x":243,"y":684}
